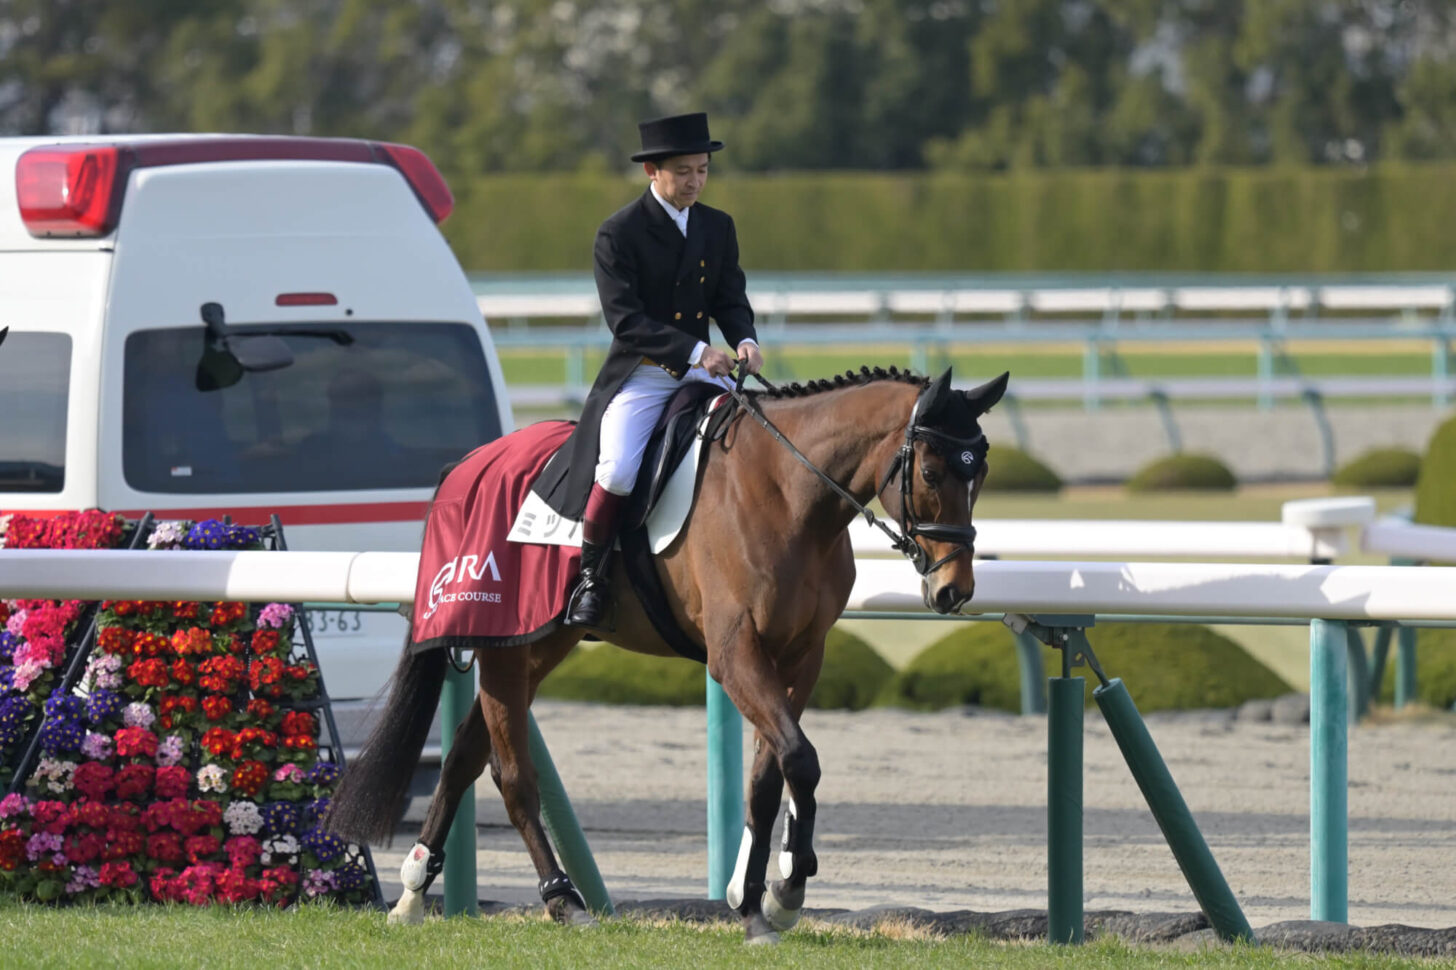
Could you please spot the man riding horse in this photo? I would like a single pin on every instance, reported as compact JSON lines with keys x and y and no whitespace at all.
{"x":665,"y":264}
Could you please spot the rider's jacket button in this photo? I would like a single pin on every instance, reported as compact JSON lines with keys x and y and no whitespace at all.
{"x":677,"y":316}
{"x":700,"y":314}
{"x":702,"y":262}
{"x":702,"y":279}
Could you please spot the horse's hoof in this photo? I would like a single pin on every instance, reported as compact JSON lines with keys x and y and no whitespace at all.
{"x":758,"y":932}
{"x":581,"y":918}
{"x":409,"y":911}
{"x":781,"y":904}
{"x":568,"y":911}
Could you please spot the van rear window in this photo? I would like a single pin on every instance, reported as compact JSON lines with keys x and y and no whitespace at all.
{"x":363,"y":405}
{"x":35,"y":379}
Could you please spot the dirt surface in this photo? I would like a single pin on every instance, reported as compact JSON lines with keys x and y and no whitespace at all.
{"x":947,"y":811}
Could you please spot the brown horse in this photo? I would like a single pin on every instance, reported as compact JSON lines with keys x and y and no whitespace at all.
{"x":761,"y":572}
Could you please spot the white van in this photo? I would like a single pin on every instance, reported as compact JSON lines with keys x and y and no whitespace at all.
{"x":366,"y":365}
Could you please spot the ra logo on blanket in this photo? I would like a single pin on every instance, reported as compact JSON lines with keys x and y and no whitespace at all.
{"x":457,"y":570}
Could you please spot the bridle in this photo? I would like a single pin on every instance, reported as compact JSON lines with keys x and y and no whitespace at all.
{"x":963,"y":536}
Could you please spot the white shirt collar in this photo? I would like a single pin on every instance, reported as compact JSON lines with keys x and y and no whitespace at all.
{"x":679,"y":216}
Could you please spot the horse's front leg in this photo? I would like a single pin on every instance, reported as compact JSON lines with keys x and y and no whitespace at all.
{"x":784,"y":754}
{"x":745,"y":892}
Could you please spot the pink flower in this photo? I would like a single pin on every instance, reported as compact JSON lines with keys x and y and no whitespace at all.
{"x":289,"y":772}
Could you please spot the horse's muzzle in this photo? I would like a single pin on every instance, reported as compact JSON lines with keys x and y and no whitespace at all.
{"x":946,"y":599}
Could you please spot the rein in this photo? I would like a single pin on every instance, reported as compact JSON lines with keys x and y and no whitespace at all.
{"x":904,"y":543}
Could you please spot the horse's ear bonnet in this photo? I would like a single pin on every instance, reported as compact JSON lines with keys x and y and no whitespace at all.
{"x":946,"y":419}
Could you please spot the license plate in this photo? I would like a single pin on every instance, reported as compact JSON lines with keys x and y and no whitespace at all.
{"x":334,"y":623}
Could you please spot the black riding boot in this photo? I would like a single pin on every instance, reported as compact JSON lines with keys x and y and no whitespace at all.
{"x":588,"y":604}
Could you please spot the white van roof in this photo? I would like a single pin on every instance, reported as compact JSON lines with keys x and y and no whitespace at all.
{"x":86,"y":177}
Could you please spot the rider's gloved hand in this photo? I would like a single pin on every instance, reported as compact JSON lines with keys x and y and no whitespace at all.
{"x":716,"y":362}
{"x":750,"y":357}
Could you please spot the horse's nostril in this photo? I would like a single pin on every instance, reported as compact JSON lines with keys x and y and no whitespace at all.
{"x":946,"y":598}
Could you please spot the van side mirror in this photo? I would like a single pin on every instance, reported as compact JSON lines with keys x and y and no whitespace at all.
{"x":4,"y":332}
{"x":226,"y":357}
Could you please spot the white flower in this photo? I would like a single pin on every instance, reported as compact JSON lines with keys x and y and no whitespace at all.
{"x":138,"y":714}
{"x":213,"y":778}
{"x":282,"y":850}
{"x":243,"y":818}
{"x":54,"y":775}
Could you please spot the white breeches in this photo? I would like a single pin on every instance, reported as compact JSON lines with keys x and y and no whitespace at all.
{"x":629,"y":418}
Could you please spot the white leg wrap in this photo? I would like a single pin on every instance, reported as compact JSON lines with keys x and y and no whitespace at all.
{"x":414,"y":871}
{"x":409,"y":911}
{"x":734,"y":893}
{"x":786,"y":858}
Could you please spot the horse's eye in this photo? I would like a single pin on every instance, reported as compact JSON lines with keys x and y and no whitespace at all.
{"x":932,"y":478}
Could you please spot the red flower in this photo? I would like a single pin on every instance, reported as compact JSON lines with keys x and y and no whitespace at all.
{"x":300,"y":742}
{"x":148,"y":644}
{"x":125,"y":817}
{"x":115,"y":640}
{"x":117,"y":875}
{"x":165,"y":847}
{"x":234,"y":886}
{"x":220,"y":674}
{"x":243,"y":850}
{"x":185,"y":609}
{"x":81,"y":848}
{"x":133,"y":782}
{"x":174,"y":707}
{"x":216,"y":707}
{"x":161,"y":885}
{"x":136,"y":742}
{"x":183,"y":672}
{"x":93,"y":779}
{"x":249,"y":778}
{"x":93,"y":814}
{"x":265,"y":641}
{"x":199,"y":847}
{"x":217,"y":741}
{"x":51,"y":816}
{"x":264,"y":674}
{"x":275,"y":883}
{"x":172,"y":781}
{"x":148,"y":673}
{"x":299,"y":722}
{"x":12,"y":849}
{"x":121,"y":844}
{"x":252,"y":736}
{"x":259,"y":709}
{"x":194,"y":641}
{"x":224,"y":614}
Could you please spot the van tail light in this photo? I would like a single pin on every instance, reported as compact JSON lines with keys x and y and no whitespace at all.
{"x":72,"y":190}
{"x":76,"y":190}
{"x":423,"y":177}
{"x":306,"y":299}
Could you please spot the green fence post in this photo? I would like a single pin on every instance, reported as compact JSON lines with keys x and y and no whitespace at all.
{"x":1328,"y":772}
{"x":1171,"y":811}
{"x":1359,"y":669}
{"x":1405,"y":666}
{"x":1379,"y":657}
{"x":1033,"y":674}
{"x":1064,"y":809}
{"x":725,"y":787}
{"x":461,"y":896}
{"x":565,"y":831}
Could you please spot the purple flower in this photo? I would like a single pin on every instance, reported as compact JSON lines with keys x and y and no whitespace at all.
{"x":60,"y":734}
{"x":280,"y":818}
{"x":8,"y":643}
{"x":103,"y":705}
{"x":352,"y":876}
{"x":15,"y":804}
{"x":275,"y":616}
{"x":64,"y":704}
{"x":325,"y":846}
{"x":324,"y":774}
{"x":96,"y":747}
{"x":317,"y":882}
{"x":40,"y":843}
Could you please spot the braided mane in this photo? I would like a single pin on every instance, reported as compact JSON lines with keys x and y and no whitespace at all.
{"x":865,"y":375}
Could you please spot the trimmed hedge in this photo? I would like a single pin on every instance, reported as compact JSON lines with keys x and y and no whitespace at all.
{"x":1166,"y":666}
{"x":1435,"y":670}
{"x":1435,"y":494}
{"x":1013,"y":470}
{"x":1183,"y":472}
{"x":1379,"y":468}
{"x":852,"y":677}
{"x":1285,"y":219}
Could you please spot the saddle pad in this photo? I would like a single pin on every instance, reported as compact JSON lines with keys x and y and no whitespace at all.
{"x":538,"y":523}
{"x":474,"y":588}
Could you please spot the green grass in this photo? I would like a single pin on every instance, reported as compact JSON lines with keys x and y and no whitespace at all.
{"x":798,"y":363}
{"x":165,"y":936}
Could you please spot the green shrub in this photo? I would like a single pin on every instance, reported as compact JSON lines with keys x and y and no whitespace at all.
{"x":1435,"y":491}
{"x":1013,"y":470}
{"x":1183,"y":472}
{"x":1435,"y":669}
{"x":853,"y":674}
{"x":1166,"y":666}
{"x":1380,"y":468}
{"x":614,"y":676}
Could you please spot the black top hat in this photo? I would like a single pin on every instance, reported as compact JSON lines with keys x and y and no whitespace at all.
{"x":675,"y":135}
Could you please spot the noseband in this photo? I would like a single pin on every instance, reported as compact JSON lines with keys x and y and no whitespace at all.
{"x":964,"y":536}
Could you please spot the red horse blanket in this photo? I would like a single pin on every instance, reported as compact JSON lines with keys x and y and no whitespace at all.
{"x":475,"y":589}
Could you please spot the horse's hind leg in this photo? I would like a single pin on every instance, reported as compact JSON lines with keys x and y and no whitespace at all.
{"x":507,"y":686}
{"x":467,"y":758}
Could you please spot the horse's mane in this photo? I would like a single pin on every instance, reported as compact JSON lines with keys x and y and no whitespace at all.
{"x":865,"y":375}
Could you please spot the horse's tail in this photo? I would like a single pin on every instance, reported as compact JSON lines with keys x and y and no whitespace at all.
{"x":371,"y":795}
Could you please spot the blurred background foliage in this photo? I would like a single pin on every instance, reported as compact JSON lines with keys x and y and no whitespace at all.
{"x":1311,"y":136}
{"x":955,"y":85}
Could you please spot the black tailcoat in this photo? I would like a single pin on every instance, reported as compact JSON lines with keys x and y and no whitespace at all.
{"x":658,"y":291}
